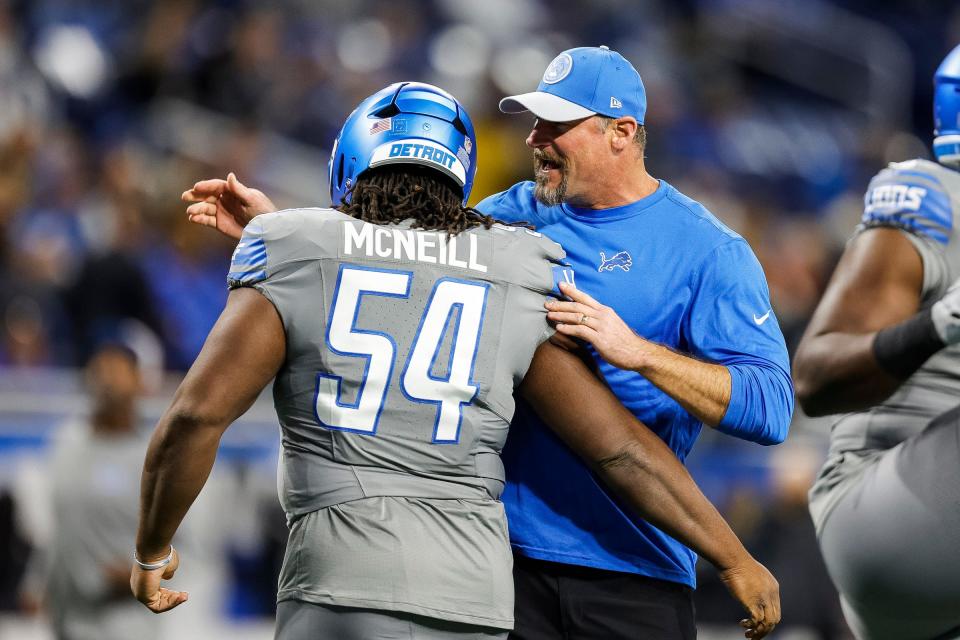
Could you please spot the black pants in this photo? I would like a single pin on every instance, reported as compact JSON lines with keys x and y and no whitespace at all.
{"x":567,"y":602}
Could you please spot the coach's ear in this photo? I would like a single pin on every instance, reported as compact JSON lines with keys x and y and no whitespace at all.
{"x":622,"y":130}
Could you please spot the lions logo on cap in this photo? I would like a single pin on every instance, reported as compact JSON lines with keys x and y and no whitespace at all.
{"x":558,"y":69}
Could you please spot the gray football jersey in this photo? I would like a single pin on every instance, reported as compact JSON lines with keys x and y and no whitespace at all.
{"x":922,"y":199}
{"x":404,"y":347}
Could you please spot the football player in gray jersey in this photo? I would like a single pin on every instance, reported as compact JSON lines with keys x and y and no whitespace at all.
{"x":882,"y":350}
{"x":397,"y":329}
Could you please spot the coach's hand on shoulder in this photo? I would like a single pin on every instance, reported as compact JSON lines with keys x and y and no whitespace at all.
{"x":759,"y":593}
{"x":226,"y":205}
{"x":585,"y":318}
{"x":145,"y":585}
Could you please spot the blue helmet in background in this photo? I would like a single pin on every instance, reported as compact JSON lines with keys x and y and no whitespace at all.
{"x":946,"y":109}
{"x":406,"y":123}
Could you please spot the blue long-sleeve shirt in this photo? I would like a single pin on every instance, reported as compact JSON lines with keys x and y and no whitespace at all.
{"x":680,"y":278}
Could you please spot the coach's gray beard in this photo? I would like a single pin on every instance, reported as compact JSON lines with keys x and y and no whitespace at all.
{"x":544,"y":194}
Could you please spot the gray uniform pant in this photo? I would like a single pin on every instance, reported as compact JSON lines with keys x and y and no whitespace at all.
{"x":892,"y":543}
{"x":298,"y":620}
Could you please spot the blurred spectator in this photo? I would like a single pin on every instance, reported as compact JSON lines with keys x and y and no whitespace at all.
{"x":93,"y":497}
{"x":107,"y":113}
{"x":187,"y":278}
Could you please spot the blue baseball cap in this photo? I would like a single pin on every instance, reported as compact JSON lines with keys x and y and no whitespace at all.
{"x":583,"y":82}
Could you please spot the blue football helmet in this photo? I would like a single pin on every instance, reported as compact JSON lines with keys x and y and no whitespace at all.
{"x":410,"y":123}
{"x":946,"y":109}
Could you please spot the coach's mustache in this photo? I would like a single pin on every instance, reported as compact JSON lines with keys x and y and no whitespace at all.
{"x":543,"y":160}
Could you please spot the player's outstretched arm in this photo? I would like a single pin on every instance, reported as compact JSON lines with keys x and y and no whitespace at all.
{"x":639,"y":466}
{"x":226,"y":205}
{"x":876,"y":285}
{"x":242,"y":354}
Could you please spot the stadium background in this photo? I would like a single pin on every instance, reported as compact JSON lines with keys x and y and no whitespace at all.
{"x":773,"y":114}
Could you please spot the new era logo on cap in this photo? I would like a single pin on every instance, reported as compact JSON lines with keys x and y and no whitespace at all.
{"x":583,"y":82}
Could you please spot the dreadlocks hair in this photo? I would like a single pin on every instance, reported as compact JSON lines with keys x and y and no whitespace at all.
{"x":394,"y":193}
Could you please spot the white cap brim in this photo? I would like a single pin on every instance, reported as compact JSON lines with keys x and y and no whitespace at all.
{"x":545,"y":106}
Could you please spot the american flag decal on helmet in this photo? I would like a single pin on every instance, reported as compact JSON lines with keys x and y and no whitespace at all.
{"x":381,"y":125}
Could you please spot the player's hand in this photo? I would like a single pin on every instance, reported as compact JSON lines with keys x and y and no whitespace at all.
{"x":226,"y":205}
{"x":759,"y":593}
{"x":585,"y":318}
{"x":146,"y":586}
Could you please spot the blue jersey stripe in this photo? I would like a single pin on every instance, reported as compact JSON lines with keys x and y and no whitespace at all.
{"x":251,"y":252}
{"x":259,"y":258}
{"x":249,"y":263}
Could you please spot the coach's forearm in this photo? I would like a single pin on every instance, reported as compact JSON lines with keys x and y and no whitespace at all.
{"x":702,"y":388}
{"x":178,"y":462}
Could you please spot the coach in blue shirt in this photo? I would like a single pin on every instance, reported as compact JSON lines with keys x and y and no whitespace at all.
{"x":681,"y":327}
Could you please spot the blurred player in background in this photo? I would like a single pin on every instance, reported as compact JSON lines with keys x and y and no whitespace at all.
{"x":398,"y":328}
{"x":92,"y":478}
{"x":880,"y":349}
{"x":711,"y":352}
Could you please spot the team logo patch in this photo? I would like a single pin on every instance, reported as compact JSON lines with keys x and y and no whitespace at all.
{"x":381,"y":125}
{"x":558,"y":69}
{"x":620,"y":259}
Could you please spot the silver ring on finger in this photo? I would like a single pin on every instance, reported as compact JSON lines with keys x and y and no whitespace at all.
{"x":583,"y":318}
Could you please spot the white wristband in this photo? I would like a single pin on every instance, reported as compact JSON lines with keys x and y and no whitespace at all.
{"x":152,"y":566}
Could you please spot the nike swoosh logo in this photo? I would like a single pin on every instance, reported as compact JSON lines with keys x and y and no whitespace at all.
{"x":761,"y":319}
